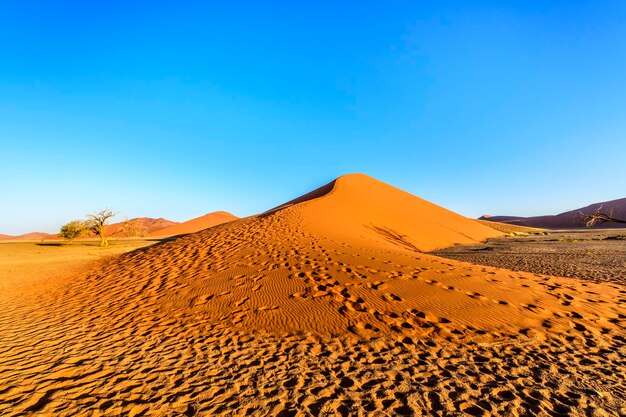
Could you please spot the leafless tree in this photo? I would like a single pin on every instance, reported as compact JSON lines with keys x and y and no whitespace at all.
{"x":131,"y":228}
{"x":598,"y":217}
{"x":98,"y":223}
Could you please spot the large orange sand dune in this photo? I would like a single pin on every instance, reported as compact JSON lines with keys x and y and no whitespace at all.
{"x":325,"y":304}
{"x":351,"y":255}
{"x":360,"y":208}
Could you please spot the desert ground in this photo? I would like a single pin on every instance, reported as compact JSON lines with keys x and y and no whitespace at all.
{"x":32,"y":264}
{"x":597,"y":255}
{"x":329,"y":304}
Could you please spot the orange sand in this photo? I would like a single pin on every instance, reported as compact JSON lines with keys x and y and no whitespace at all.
{"x":143,"y":226}
{"x":511,"y":229}
{"x":325,"y":304}
{"x":195,"y":225}
{"x":29,"y":236}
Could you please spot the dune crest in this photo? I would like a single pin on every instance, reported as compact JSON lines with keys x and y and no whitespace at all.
{"x":323,"y":305}
{"x":140,"y":226}
{"x":196,"y":224}
{"x":359,"y":206}
{"x":349,"y":252}
{"x":29,"y":236}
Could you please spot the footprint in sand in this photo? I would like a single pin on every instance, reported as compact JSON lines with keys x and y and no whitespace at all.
{"x":266,"y":308}
{"x":241,"y":302}
{"x":298,"y":295}
{"x":475,"y":295}
{"x":376,"y":285}
{"x":391,"y":297}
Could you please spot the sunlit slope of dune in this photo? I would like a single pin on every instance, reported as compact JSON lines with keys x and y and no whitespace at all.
{"x":324,"y":266}
{"x":357,"y":206}
{"x":509,"y":228}
{"x":252,"y":313}
{"x":29,"y":236}
{"x":196,"y":224}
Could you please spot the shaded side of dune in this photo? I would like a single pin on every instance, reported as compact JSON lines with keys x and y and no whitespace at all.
{"x":569,"y":219}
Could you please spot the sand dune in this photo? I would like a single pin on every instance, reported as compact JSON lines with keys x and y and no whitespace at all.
{"x":325,"y":304}
{"x":567,"y":220}
{"x":143,"y":226}
{"x":29,"y":236}
{"x":196,"y":224}
{"x":511,"y":228}
{"x":140,"y":226}
{"x":360,"y":207}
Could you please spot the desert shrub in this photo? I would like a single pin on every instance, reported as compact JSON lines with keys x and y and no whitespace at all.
{"x":72,"y":230}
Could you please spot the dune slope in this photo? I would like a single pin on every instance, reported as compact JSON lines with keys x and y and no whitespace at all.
{"x":351,"y":255}
{"x":360,"y":207}
{"x":511,"y":229}
{"x":325,"y":304}
{"x":569,"y":219}
{"x":196,"y":224}
{"x":29,"y":236}
{"x":140,"y":226}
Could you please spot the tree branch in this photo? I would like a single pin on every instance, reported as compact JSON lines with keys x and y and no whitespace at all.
{"x":598,"y":217}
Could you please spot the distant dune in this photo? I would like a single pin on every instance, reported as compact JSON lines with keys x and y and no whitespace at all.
{"x":142,"y":226}
{"x":195,"y":225}
{"x":568,"y":219}
{"x":510,"y":228}
{"x":29,"y":236}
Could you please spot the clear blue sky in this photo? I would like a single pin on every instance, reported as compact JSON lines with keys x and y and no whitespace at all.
{"x":175,"y":109}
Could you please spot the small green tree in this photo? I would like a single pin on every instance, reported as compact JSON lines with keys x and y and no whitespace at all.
{"x":97,"y":223}
{"x":72,"y":230}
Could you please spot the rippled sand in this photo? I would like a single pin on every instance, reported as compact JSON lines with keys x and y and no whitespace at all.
{"x":297,"y":312}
